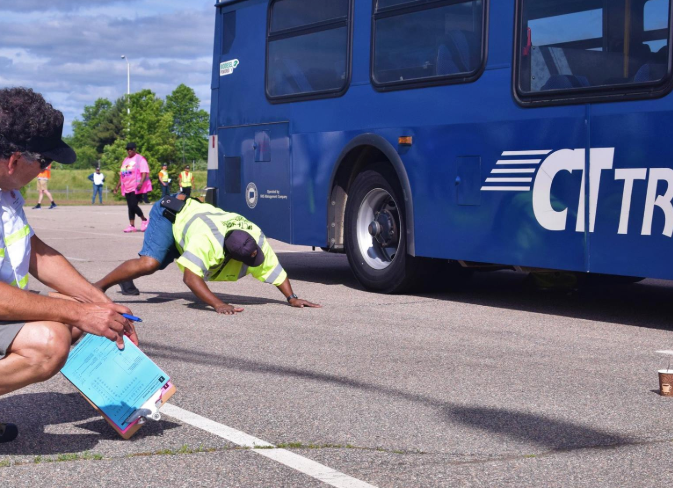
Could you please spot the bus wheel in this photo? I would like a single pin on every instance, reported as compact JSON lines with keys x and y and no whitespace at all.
{"x":376,"y":232}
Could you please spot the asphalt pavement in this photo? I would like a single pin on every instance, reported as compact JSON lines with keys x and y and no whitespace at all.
{"x":500,"y":384}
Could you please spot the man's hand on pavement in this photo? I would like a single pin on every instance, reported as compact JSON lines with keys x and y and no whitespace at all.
{"x":299,"y":303}
{"x":105,"y":319}
{"x":227,"y":309}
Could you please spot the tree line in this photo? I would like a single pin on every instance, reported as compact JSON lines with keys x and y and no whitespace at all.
{"x":170,"y":131}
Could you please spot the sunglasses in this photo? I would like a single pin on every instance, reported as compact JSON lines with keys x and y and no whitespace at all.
{"x":44,"y":162}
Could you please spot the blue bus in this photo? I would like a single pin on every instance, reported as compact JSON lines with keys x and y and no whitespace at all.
{"x":424,"y":138}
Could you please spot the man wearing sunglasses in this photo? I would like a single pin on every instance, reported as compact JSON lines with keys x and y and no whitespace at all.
{"x":36,"y":331}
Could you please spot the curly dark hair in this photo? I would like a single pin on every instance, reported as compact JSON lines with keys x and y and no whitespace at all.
{"x":25,"y":114}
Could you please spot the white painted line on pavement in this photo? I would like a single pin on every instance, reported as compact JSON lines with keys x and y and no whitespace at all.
{"x":295,"y":461}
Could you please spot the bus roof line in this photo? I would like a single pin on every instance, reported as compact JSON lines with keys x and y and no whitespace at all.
{"x":222,"y":3}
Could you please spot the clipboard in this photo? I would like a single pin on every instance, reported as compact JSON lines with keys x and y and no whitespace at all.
{"x":94,"y":359}
{"x":164,"y":394}
{"x":124,"y":387}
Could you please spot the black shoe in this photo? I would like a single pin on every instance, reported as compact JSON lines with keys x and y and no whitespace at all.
{"x":37,"y":207}
{"x":8,"y":432}
{"x":128,"y":288}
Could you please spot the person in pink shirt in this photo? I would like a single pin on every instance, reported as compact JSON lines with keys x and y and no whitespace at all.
{"x":133,"y":181}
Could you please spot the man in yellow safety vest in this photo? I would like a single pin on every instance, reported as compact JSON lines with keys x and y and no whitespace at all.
{"x":209,"y":244}
{"x":36,"y":331}
{"x":186,"y":181}
{"x":165,"y":180}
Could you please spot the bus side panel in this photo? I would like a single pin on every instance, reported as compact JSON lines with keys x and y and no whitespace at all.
{"x":313,"y":158}
{"x":632,"y":234}
{"x":254,"y":176}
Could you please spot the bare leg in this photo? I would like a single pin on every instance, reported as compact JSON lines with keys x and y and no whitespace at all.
{"x":40,"y":194}
{"x":38,"y":352}
{"x":129,"y":270}
{"x":49,"y":195}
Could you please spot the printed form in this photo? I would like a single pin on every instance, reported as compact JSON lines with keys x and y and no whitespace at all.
{"x":117,"y":382}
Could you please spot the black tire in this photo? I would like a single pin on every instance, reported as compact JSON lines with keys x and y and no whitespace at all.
{"x":404,"y":272}
{"x":399,"y":275}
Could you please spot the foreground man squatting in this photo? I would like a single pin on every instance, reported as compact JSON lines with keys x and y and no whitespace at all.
{"x":36,"y":331}
{"x":209,"y":244}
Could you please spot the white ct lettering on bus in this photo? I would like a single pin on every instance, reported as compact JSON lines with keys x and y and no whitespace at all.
{"x":600,"y":160}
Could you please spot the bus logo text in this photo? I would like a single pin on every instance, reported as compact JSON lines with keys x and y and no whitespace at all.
{"x":522,"y":171}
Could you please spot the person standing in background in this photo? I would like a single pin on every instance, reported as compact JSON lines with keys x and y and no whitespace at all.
{"x":97,"y":178}
{"x":186,"y":182}
{"x":164,"y":180}
{"x":42,"y":188}
{"x":145,"y":184}
{"x":132,"y":178}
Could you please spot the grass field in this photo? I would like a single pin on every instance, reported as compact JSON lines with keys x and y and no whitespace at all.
{"x":72,"y":187}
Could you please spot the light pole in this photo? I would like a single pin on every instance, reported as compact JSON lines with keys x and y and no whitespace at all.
{"x":128,"y":88}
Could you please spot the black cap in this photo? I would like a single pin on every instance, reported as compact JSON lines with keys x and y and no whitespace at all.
{"x":130,"y":145}
{"x":240,"y":245}
{"x":52,"y":147}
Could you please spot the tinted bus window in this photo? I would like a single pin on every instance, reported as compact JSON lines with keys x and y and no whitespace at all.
{"x":289,"y":14}
{"x":308,"y":46}
{"x":656,"y":24}
{"x":576,"y":46}
{"x":426,"y":41}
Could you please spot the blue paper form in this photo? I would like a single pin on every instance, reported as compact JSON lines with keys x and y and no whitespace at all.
{"x":117,"y":382}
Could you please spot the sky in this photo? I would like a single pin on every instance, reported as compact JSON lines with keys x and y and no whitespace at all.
{"x":70,"y":50}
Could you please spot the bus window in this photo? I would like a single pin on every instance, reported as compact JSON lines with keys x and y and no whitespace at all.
{"x":591,"y":46}
{"x":308,"y":46}
{"x":290,"y":14}
{"x":422,"y":42}
{"x":656,"y":24}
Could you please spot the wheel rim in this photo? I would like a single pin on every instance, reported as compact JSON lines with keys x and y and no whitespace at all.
{"x":378,"y":229}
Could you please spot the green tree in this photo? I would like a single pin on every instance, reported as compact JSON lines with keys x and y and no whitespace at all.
{"x":150,"y":128}
{"x":190,"y":124}
{"x":112,"y":127}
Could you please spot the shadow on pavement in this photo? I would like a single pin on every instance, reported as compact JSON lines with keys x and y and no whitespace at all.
{"x":527,"y":427}
{"x":194,"y":303}
{"x":644,"y":304}
{"x":33,"y":412}
{"x":519,"y":426}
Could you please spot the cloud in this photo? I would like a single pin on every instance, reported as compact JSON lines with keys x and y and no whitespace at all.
{"x":62,"y":5}
{"x":74,"y":58}
{"x":177,"y":34}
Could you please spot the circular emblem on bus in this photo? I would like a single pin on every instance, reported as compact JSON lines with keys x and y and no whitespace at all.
{"x":251,"y":195}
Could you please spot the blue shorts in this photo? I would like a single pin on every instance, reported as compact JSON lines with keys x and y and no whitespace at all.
{"x":158,"y":242}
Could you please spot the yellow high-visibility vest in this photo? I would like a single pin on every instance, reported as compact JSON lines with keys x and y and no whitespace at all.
{"x":186,"y":179}
{"x":163,"y":176}
{"x":199,"y":232}
{"x":15,"y":234}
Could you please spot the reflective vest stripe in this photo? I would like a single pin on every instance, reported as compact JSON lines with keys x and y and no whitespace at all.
{"x":211,"y":225}
{"x":17,"y":236}
{"x":274,"y":274}
{"x":243,"y":272}
{"x":196,"y":260}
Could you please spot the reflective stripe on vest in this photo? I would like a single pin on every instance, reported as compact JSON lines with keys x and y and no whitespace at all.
{"x":14,"y":240}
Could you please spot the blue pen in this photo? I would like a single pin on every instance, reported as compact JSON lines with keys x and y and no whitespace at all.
{"x":132,"y":317}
